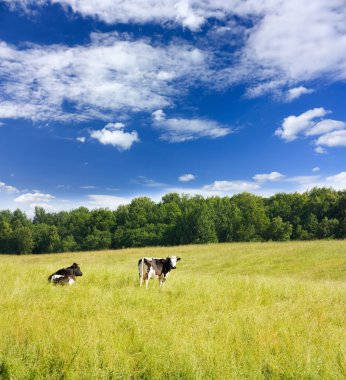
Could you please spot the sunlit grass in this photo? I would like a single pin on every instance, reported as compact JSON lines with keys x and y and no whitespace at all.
{"x":230,"y":311}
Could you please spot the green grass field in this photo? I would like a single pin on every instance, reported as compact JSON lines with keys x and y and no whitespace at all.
{"x":230,"y":311}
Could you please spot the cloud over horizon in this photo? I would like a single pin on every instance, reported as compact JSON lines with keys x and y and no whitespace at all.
{"x":7,"y":188}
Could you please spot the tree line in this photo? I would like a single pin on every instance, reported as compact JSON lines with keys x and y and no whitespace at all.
{"x":178,"y":219}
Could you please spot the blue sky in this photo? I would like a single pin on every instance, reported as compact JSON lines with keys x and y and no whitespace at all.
{"x":101,"y":102}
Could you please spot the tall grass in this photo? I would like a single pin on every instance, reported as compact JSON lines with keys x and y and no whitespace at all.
{"x":230,"y":311}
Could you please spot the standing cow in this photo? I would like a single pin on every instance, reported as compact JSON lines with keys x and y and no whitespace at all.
{"x":151,"y":267}
{"x":66,"y":276}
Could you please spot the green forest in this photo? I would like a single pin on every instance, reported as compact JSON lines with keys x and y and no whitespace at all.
{"x":178,"y":219}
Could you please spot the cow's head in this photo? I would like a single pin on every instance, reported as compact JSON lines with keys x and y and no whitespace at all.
{"x":173,"y":260}
{"x":76,"y":269}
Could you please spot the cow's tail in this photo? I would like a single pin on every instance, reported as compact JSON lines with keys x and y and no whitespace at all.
{"x":141,"y":272}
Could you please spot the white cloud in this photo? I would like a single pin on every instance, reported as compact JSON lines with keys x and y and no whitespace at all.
{"x":296,"y":92}
{"x":158,"y":116}
{"x":295,"y":43}
{"x":35,"y":197}
{"x":320,"y":150}
{"x":7,"y":188}
{"x":292,"y":126}
{"x":316,"y":169}
{"x":264,"y":188}
{"x":325,"y":126}
{"x":217,"y":188}
{"x":87,"y":187}
{"x":106,"y":201}
{"x":113,"y":11}
{"x":267,"y":87}
{"x":337,"y":181}
{"x":223,"y":188}
{"x":187,"y":177}
{"x":302,"y":179}
{"x":81,"y":139}
{"x":114,"y":134}
{"x":179,"y":130}
{"x":110,"y":76}
{"x":236,"y":186}
{"x":332,"y":133}
{"x":16,"y":110}
{"x":188,"y":14}
{"x":283,"y":45}
{"x":148,"y":182}
{"x":29,"y":201}
{"x":304,"y":183}
{"x":270,"y":177}
{"x":333,"y":139}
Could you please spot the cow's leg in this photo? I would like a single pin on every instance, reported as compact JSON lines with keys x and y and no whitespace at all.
{"x":147,"y":280}
{"x":140,"y":280}
{"x":162,"y":280}
{"x":142,"y":274}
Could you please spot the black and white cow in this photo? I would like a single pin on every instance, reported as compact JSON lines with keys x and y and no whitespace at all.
{"x":151,"y":267}
{"x":66,"y":276}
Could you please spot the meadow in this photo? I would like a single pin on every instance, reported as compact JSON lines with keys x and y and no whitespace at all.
{"x":229,"y":311}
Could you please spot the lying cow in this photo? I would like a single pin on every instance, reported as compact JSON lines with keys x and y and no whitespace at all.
{"x":66,"y":276}
{"x":150,"y":267}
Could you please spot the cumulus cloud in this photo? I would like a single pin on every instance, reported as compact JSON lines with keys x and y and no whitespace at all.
{"x":81,"y":139}
{"x":316,"y":169}
{"x":294,"y":43}
{"x":8,"y":189}
{"x":333,"y":139}
{"x":158,"y":116}
{"x":270,"y":177}
{"x":179,"y":130}
{"x":114,"y":134}
{"x":325,"y":126}
{"x":292,"y":126}
{"x":332,"y":133}
{"x":187,"y":178}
